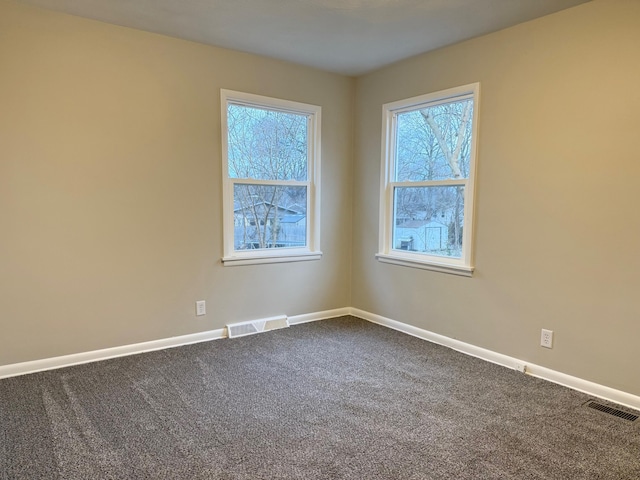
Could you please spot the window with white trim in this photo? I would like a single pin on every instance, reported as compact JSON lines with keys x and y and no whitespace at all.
{"x":427,"y":185}
{"x":271,"y":190}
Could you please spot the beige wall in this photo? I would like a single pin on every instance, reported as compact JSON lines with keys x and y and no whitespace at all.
{"x":110,"y":188}
{"x":110,"y":194}
{"x":558,"y":228}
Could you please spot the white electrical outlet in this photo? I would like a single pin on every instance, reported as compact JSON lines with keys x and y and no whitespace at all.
{"x":546,"y":338}
{"x":201,"y":307}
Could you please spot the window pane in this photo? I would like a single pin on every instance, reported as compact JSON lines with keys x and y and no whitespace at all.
{"x":269,"y":216}
{"x":434,"y":143}
{"x":429,"y":220}
{"x":266,"y":144}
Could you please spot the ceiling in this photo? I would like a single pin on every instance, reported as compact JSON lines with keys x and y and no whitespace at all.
{"x":350,"y":37}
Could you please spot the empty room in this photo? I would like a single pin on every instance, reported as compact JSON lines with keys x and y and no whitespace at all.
{"x":321,"y":239}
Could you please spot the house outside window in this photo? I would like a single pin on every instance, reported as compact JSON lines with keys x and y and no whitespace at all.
{"x":271,"y":188}
{"x":427,"y":184}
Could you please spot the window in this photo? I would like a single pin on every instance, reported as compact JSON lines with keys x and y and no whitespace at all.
{"x":271,"y":191}
{"x":428,"y":164}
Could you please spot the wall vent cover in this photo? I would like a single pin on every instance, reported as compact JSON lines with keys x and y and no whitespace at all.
{"x":612,"y":411}
{"x":235,"y":330}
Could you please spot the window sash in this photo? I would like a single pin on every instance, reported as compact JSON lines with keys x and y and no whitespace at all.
{"x":292,"y":183}
{"x":387,"y":253}
{"x":418,"y":235}
{"x":311,"y":133}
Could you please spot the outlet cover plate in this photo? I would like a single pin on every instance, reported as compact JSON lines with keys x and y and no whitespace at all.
{"x":546,"y":338}
{"x":201,"y":307}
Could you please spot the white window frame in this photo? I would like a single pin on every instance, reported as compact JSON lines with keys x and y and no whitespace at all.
{"x":273,"y":255}
{"x":458,"y":266}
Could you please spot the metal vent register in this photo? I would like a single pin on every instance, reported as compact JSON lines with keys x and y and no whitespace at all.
{"x":612,"y":411}
{"x":257,"y":326}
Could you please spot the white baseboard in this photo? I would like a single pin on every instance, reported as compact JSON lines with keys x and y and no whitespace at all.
{"x":136,"y":348}
{"x":585,"y":386}
{"x":107,"y":353}
{"x":314,"y":317}
{"x":575,"y":383}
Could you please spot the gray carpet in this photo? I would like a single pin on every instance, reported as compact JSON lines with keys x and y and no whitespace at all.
{"x":337,"y":399}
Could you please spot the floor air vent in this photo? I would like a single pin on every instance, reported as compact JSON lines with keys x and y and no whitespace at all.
{"x":612,"y":411}
{"x":256,"y":326}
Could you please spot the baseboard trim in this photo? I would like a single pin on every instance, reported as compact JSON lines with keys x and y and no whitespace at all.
{"x":575,"y":383}
{"x":323,"y":315}
{"x":53,"y":363}
{"x":585,"y":386}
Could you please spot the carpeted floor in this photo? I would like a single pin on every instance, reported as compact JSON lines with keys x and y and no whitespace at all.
{"x":337,"y":399}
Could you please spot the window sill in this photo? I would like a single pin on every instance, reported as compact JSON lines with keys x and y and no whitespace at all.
{"x":452,"y":269}
{"x":282,"y":258}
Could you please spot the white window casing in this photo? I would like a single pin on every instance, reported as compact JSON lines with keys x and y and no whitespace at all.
{"x":404,"y":252}
{"x":235,"y":254}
